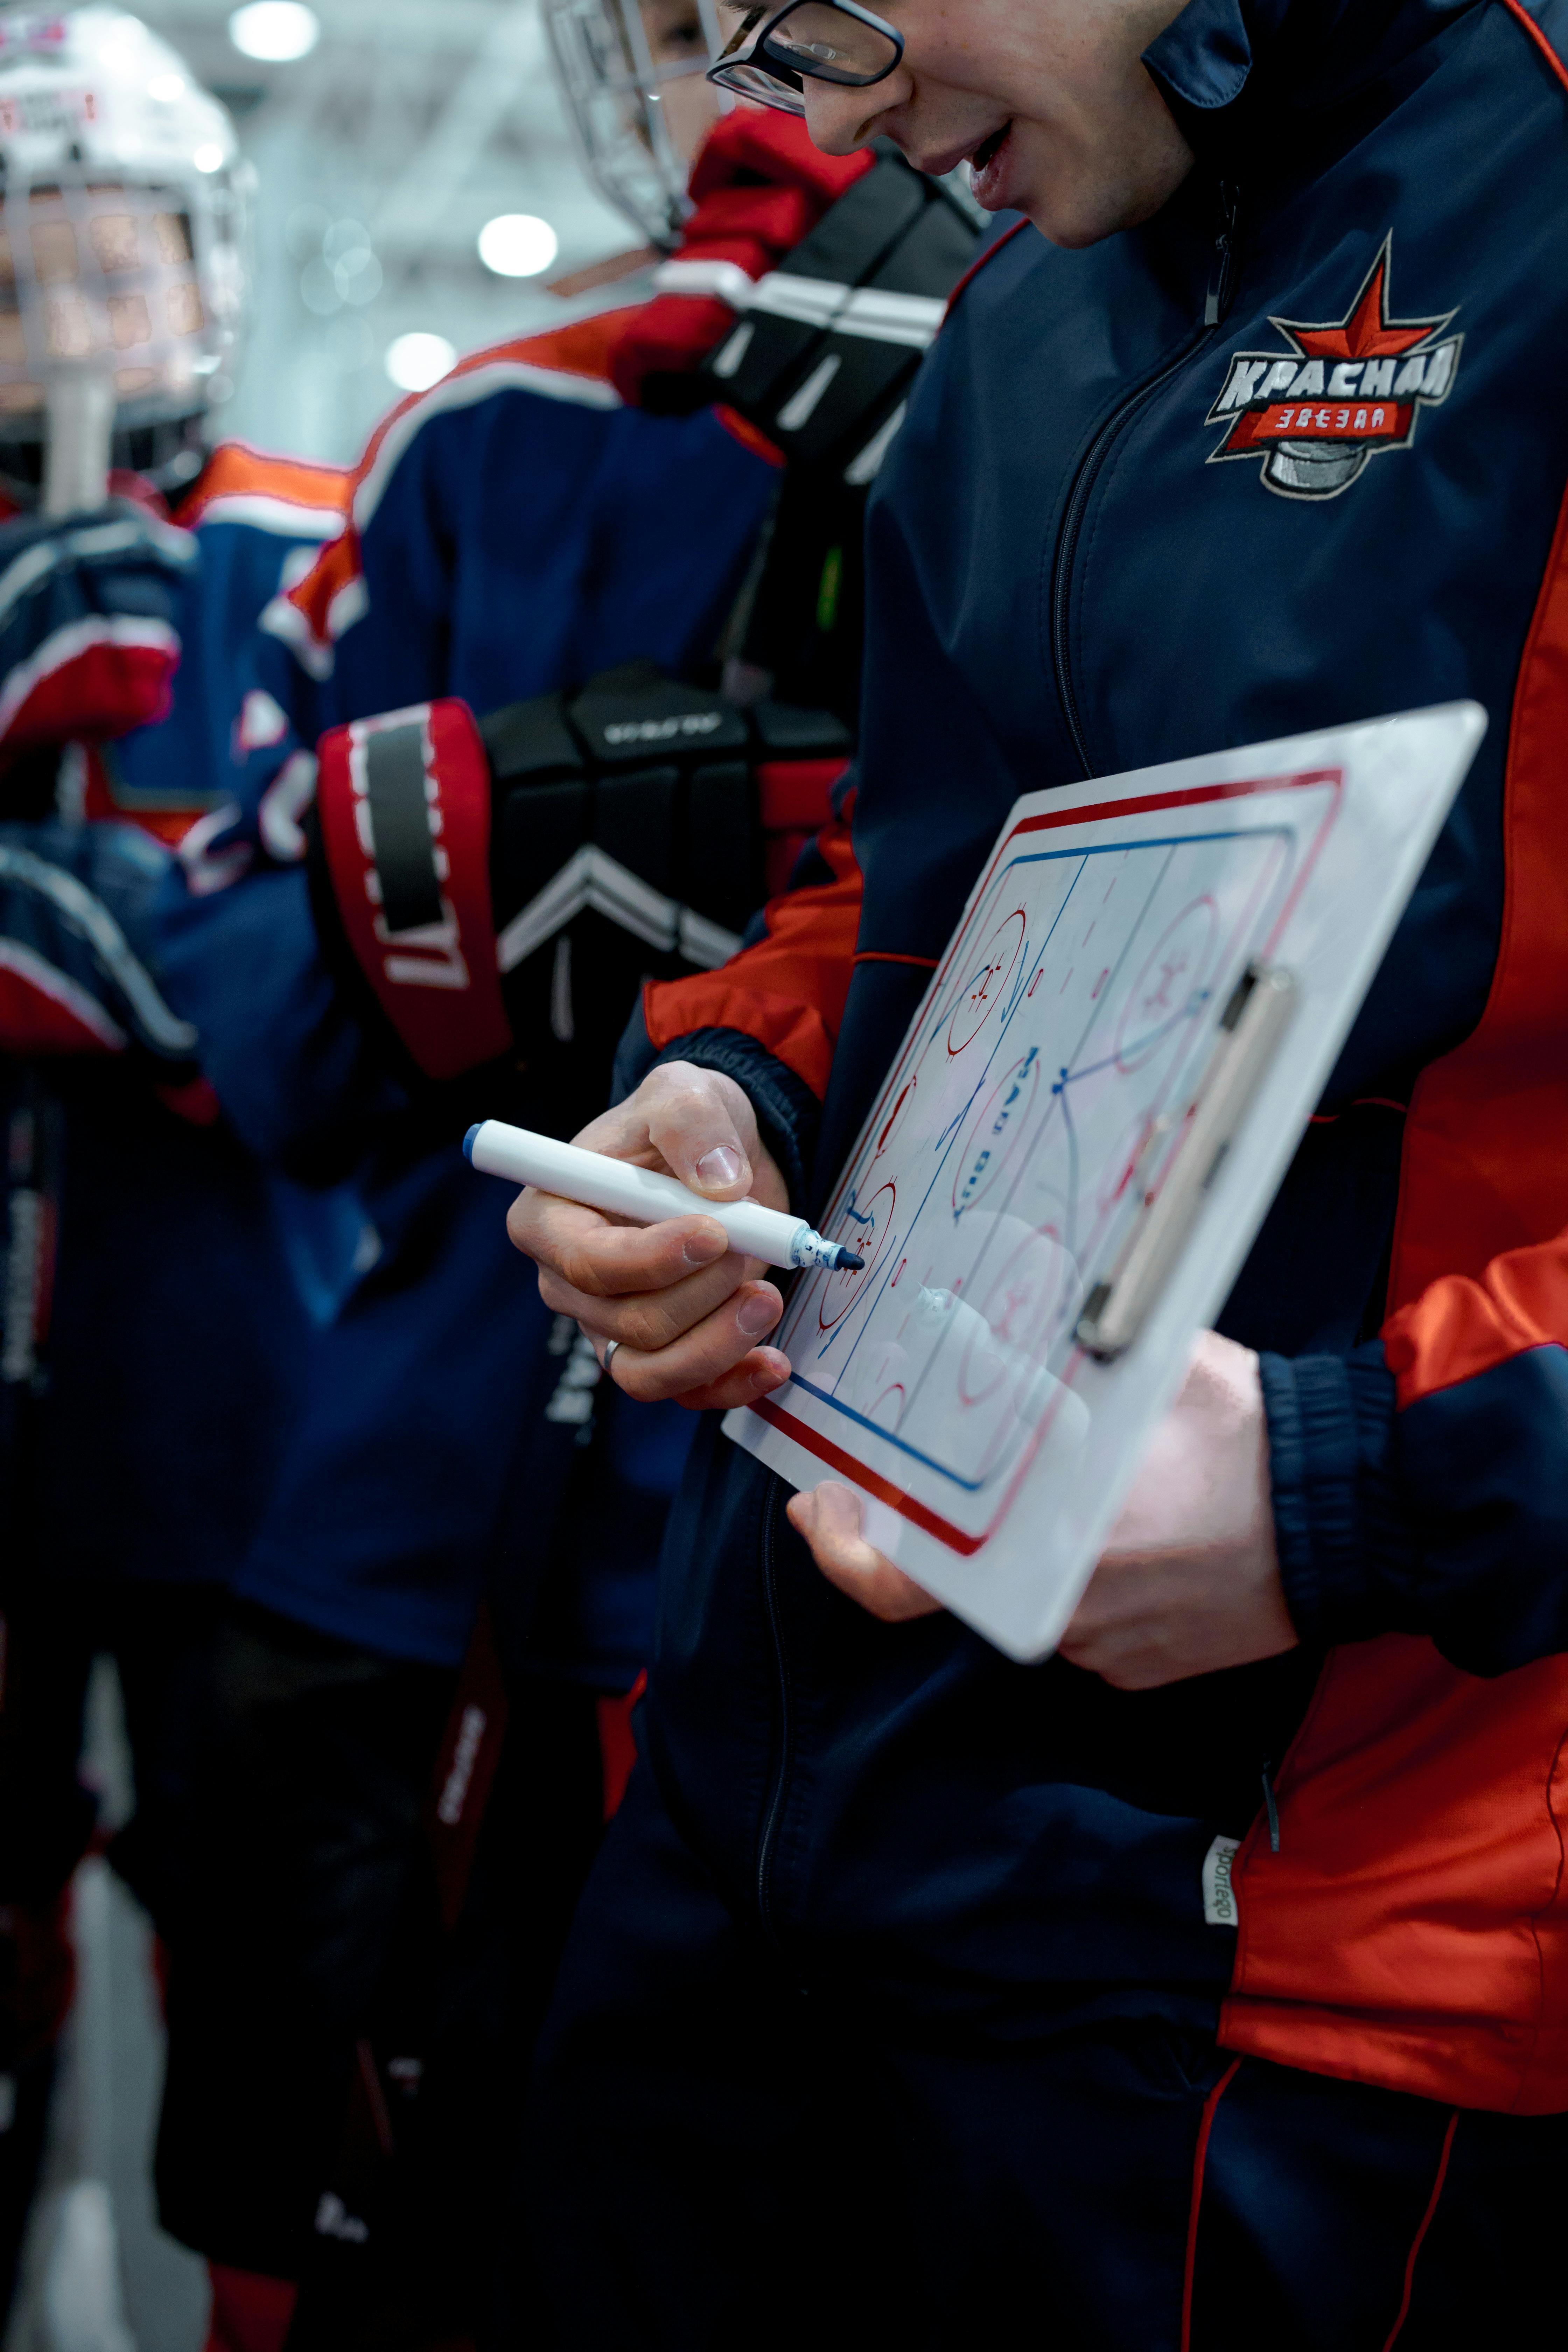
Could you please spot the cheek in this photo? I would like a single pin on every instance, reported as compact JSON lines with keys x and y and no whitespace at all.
{"x":690,"y":111}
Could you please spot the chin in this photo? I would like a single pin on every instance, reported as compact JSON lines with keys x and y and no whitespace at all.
{"x":1074,"y":217}
{"x":1071,"y":231}
{"x":1068,"y":224}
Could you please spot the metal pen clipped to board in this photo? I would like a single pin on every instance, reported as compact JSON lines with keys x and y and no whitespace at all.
{"x":1255,"y":1017}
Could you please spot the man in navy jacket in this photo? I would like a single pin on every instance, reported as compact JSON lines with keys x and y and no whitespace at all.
{"x":1258,"y":435}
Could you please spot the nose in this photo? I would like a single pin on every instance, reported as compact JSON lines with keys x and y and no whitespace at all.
{"x":840,"y":120}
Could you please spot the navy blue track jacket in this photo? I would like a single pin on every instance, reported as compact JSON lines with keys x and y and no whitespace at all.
{"x":1288,"y":456}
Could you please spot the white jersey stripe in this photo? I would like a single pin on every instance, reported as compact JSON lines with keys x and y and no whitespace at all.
{"x":464,"y":391}
{"x":725,"y":281}
{"x":284,"y":517}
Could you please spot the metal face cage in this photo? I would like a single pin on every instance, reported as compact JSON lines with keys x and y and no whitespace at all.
{"x":124,"y":244}
{"x":627,"y":91}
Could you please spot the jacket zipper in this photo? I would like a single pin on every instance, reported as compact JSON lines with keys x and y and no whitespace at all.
{"x":1217,"y":303}
{"x":786,"y":1725}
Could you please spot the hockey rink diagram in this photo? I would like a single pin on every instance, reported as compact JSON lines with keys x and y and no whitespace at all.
{"x":996,"y":1179}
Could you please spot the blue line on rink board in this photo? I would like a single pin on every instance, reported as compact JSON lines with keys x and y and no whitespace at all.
{"x":969,"y":1486}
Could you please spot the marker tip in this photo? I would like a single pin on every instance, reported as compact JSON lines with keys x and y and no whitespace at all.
{"x":468,"y":1141}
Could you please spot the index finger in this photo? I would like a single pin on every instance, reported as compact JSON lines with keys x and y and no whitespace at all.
{"x":606,"y":1260}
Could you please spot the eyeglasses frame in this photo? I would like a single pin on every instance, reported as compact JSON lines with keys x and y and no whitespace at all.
{"x":792,"y":78}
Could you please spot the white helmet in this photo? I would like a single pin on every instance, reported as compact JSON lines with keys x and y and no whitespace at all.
{"x":632,"y":74}
{"x":124,"y":217}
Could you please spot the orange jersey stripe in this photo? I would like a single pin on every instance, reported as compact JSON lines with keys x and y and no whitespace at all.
{"x":236,"y":470}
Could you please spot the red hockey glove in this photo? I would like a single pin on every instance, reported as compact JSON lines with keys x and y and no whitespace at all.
{"x":758,"y":186}
{"x":89,"y":611}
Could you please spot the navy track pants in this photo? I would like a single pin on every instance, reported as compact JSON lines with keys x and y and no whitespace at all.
{"x":718,"y":2158}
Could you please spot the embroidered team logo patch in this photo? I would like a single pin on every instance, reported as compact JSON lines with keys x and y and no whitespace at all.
{"x":1347,"y":391}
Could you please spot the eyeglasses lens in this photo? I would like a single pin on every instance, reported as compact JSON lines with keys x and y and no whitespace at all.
{"x":824,"y":42}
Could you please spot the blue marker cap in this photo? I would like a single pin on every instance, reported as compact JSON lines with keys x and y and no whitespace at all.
{"x":468,"y":1141}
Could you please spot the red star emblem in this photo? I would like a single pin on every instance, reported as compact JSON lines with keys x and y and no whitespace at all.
{"x":1344,"y":390}
{"x":1368,"y":333}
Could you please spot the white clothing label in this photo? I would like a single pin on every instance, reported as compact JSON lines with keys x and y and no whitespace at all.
{"x":1220,"y":1896}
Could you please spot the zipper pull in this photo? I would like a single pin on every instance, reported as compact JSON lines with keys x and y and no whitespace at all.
{"x":1273,"y":1811}
{"x":1222,"y":276}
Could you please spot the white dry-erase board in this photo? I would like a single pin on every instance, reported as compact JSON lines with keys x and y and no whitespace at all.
{"x":1006,"y":1160}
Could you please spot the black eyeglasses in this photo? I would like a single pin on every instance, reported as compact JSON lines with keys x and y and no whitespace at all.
{"x":771,"y":57}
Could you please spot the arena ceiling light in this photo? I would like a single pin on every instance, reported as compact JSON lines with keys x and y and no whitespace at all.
{"x":416,"y":362}
{"x":276,"y":31}
{"x":518,"y":244}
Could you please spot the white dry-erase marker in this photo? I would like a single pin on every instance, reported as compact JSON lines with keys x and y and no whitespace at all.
{"x":647,"y":1198}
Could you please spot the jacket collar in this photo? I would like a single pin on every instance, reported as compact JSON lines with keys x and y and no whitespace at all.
{"x":1225,"y":67}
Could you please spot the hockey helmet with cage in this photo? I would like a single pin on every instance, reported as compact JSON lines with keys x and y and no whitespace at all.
{"x":632,"y":75}
{"x":124,"y":256}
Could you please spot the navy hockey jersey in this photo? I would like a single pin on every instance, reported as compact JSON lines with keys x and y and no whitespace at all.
{"x":152,"y":1337}
{"x":513,"y":530}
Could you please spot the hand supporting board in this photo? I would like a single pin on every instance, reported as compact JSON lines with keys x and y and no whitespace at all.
{"x":1085,"y":1126}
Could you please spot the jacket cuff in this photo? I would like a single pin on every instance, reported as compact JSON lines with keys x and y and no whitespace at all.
{"x":1344,"y":1543}
{"x":787,"y":1111}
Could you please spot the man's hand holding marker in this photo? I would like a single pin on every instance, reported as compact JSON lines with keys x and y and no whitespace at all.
{"x":1189,"y":1583}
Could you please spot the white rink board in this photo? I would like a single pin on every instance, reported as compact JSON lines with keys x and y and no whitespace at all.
{"x":991,"y":1187}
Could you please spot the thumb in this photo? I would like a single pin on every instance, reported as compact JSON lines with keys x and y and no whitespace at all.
{"x":723,"y":1172}
{"x":702,"y":1135}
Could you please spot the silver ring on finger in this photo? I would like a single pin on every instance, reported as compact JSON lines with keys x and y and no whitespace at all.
{"x":610,"y":1346}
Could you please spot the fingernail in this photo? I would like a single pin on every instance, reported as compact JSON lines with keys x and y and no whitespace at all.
{"x":720,"y":1166}
{"x":758,"y":1314}
{"x":701,"y":1249}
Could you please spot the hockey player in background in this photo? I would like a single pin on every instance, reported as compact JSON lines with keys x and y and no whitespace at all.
{"x":537,"y":541}
{"x":151,"y":1336}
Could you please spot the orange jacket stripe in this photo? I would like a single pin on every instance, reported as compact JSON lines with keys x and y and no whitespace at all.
{"x":1539,"y":37}
{"x":1460,"y":1328}
{"x":1412,"y":1928}
{"x":789,"y":990}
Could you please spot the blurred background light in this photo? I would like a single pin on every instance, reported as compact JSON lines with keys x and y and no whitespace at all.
{"x":275,"y":30}
{"x":415,"y":361}
{"x":518,"y":244}
{"x":382,"y":155}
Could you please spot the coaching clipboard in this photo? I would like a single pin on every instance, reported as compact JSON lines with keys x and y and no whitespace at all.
{"x":1036,"y":1117}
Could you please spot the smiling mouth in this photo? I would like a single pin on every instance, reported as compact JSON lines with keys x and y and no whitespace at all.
{"x":989,"y":148}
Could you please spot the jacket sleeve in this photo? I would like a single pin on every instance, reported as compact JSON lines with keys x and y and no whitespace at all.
{"x":1421,"y":1483}
{"x":241,"y":958}
{"x":769,"y":1018}
{"x":78,"y":971}
{"x":516,"y":528}
{"x":88,"y":623}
